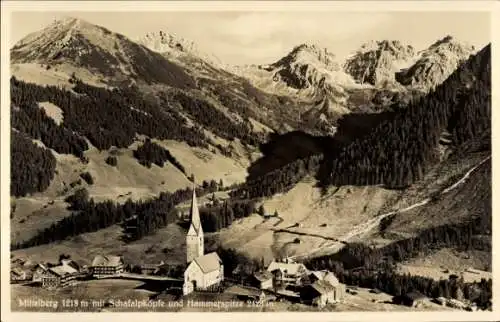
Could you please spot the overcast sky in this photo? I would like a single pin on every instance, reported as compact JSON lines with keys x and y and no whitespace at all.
{"x":264,"y":37}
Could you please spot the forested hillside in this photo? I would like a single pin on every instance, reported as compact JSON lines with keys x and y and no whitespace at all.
{"x":113,"y":118}
{"x":33,"y":167}
{"x":401,"y":148}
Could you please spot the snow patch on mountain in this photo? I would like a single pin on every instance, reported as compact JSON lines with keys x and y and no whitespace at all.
{"x":435,"y":64}
{"x":173,"y":46}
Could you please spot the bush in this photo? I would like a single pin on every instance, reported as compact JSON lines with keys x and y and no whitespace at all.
{"x":112,"y":161}
{"x":87,"y":177}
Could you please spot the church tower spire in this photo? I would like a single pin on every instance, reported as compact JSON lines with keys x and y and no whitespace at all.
{"x":194,"y":238}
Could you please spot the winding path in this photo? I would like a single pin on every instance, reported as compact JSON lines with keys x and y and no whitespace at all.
{"x":374,"y":222}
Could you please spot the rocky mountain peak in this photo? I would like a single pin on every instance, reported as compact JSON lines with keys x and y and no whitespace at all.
{"x":376,"y":62}
{"x":436,"y":63}
{"x":171,"y":45}
{"x":309,"y":54}
{"x":162,"y":42}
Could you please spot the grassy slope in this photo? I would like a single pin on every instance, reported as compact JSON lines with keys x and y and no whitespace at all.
{"x":128,"y":179}
{"x":167,"y":244}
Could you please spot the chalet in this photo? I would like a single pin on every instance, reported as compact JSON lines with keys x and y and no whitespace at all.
{"x":413,"y":299}
{"x":59,"y":276}
{"x":150,"y":269}
{"x":263,"y":280}
{"x":204,"y":271}
{"x":320,"y":293}
{"x":287,"y":273}
{"x":38,"y":272}
{"x":323,"y":275}
{"x":103,"y":266}
{"x":17,"y":261}
{"x":18,"y":274}
{"x":331,"y":279}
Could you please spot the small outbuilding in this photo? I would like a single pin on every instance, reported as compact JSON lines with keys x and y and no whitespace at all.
{"x":319,"y":293}
{"x":413,"y":299}
{"x":263,"y":280}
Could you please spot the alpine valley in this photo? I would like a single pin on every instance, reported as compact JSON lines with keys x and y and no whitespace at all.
{"x":376,"y":165}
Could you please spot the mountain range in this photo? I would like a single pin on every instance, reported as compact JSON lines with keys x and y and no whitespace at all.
{"x":325,"y":144}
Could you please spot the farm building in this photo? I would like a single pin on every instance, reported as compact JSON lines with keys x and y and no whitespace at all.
{"x":150,"y":269}
{"x":321,"y":293}
{"x":39,"y":271}
{"x":263,"y":280}
{"x":413,"y":299}
{"x":323,"y":275}
{"x":18,"y":274}
{"x":286,"y":273}
{"x":103,"y":266}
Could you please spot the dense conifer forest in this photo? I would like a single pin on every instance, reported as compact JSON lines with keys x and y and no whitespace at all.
{"x":33,"y":166}
{"x":108,"y":117}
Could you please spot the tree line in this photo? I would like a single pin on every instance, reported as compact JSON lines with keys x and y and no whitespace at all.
{"x":462,"y":235}
{"x":218,"y":216}
{"x":89,"y":216}
{"x":215,"y":120}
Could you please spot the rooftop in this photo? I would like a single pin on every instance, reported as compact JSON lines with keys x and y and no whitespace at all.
{"x":209,"y":262}
{"x":63,"y":270}
{"x":101,"y":260}
{"x":288,"y":268}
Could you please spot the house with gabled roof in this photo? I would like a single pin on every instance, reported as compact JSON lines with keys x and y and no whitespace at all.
{"x":39,"y":271}
{"x":103,"y":266}
{"x":324,"y":275}
{"x":18,"y":274}
{"x":320,"y":293}
{"x":59,"y":276}
{"x":263,"y":279}
{"x":287,"y":273}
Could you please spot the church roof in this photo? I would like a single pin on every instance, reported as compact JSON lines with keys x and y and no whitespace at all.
{"x":209,"y":262}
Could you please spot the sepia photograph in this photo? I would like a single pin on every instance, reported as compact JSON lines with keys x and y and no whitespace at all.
{"x":247,"y":160}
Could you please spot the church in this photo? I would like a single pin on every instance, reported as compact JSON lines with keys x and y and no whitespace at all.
{"x":203,"y":270}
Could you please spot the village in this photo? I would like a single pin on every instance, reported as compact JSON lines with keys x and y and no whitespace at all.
{"x":283,"y":280}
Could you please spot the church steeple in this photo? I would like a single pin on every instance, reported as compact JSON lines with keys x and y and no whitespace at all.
{"x":195,"y":212}
{"x":194,"y":238}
